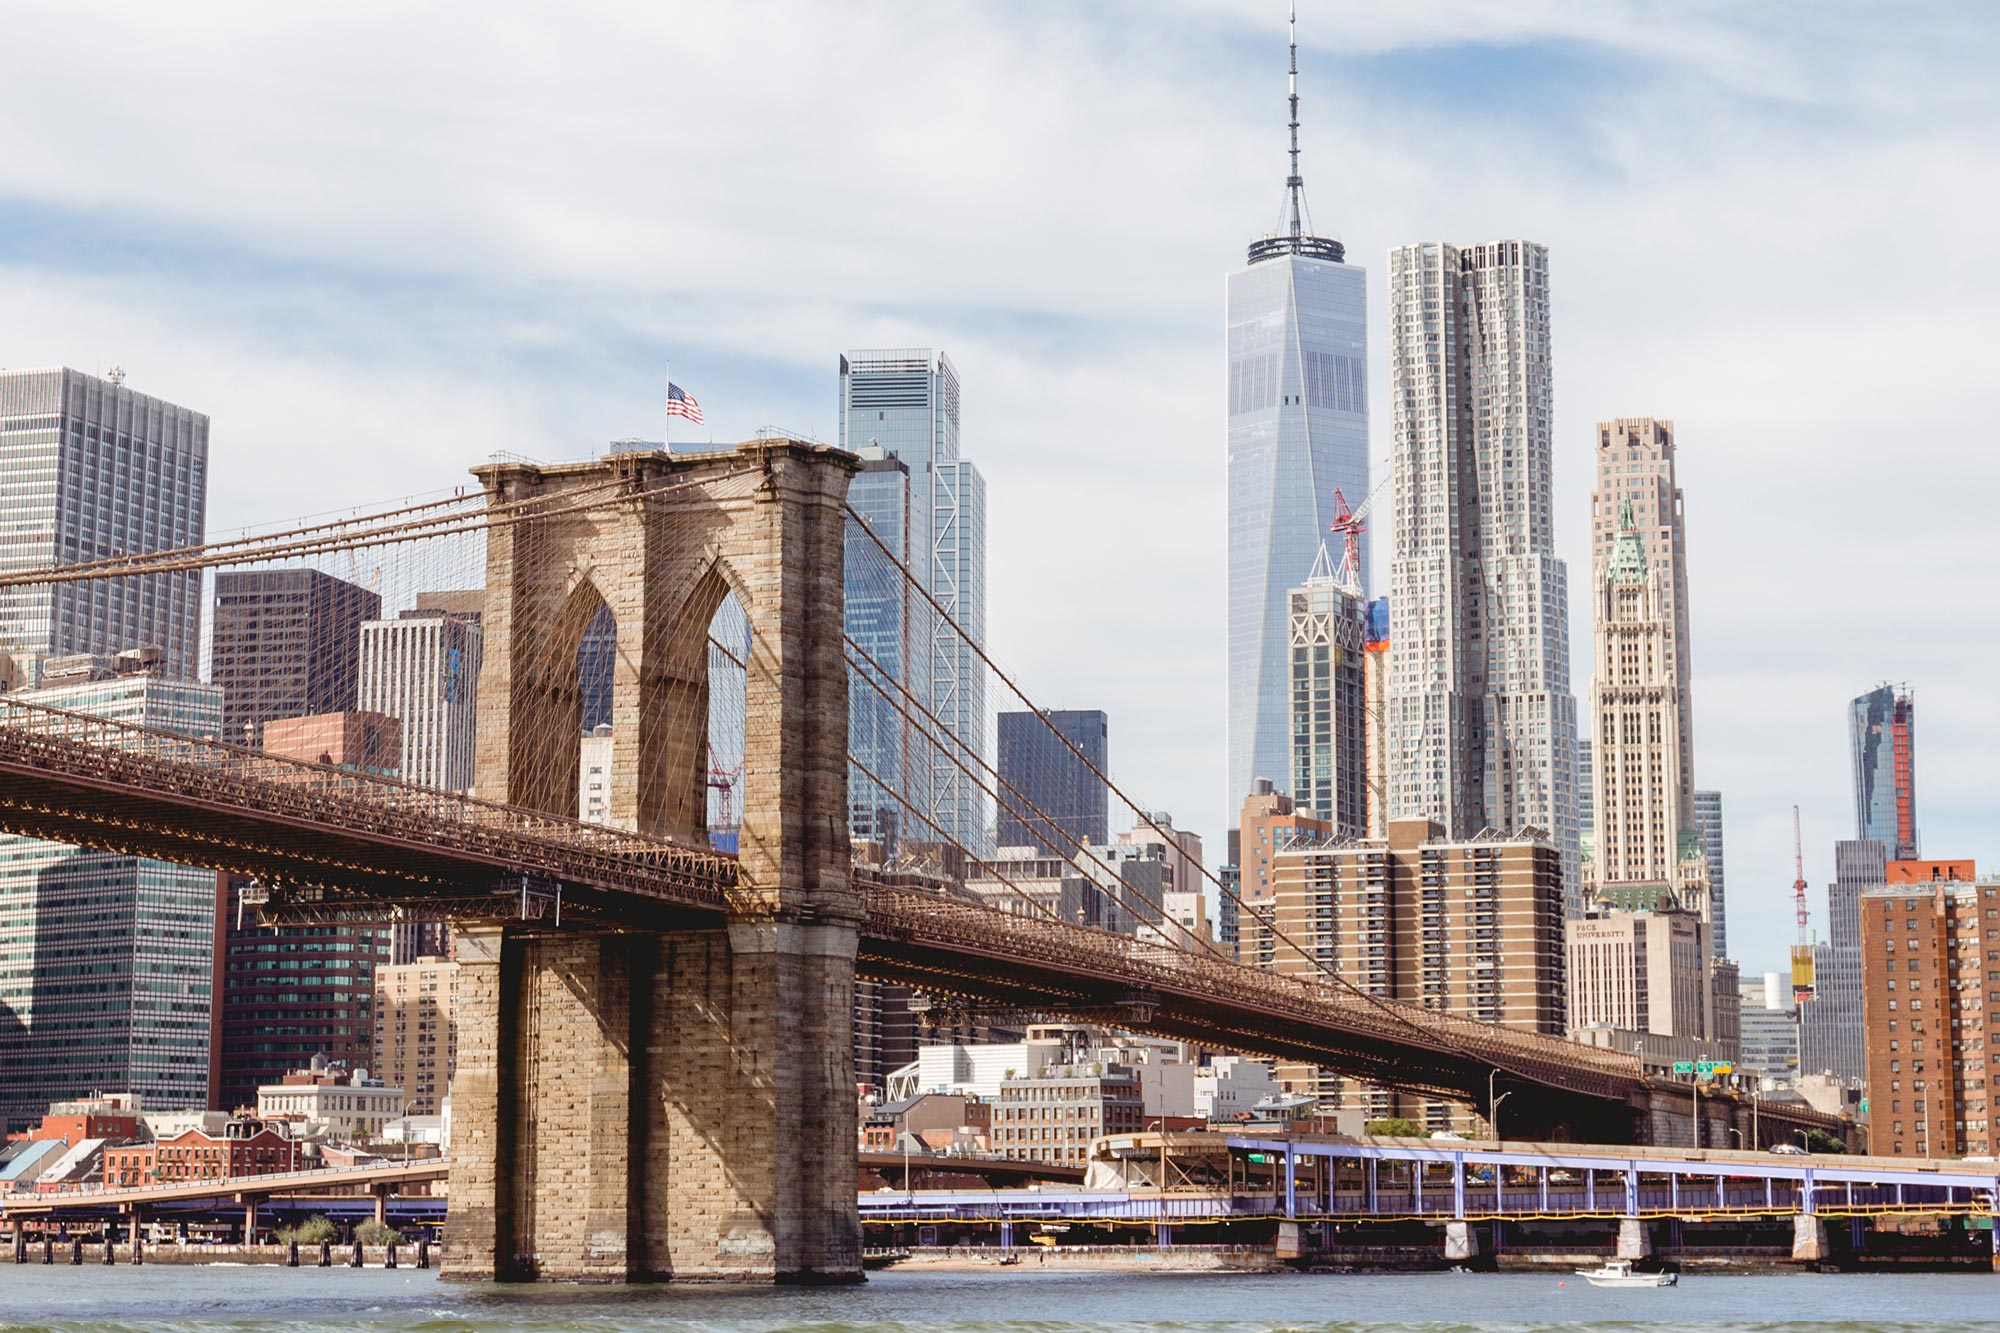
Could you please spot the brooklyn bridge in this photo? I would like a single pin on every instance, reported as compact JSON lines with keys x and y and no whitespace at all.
{"x":655,"y":1074}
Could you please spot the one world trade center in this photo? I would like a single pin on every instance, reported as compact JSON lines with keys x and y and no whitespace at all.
{"x":1298,"y":429}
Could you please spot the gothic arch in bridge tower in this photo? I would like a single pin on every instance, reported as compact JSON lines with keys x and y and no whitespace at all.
{"x":626,"y":1099}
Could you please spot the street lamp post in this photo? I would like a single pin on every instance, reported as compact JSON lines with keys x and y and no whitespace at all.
{"x":1493,"y":1103}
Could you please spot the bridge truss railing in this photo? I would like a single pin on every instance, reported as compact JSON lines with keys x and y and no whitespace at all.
{"x":1166,"y":971}
{"x":124,"y":756}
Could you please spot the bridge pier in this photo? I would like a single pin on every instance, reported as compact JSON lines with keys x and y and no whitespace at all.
{"x":675,"y":1105}
{"x":1808,"y":1238}
{"x":1635,"y":1238}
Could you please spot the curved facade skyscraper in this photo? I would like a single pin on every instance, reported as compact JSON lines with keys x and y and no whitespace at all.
{"x":1298,"y":429}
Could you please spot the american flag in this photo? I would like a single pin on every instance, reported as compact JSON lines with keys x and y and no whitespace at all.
{"x":679,"y":404}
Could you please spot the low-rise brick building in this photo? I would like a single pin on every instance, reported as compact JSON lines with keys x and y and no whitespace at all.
{"x":244,"y":1148}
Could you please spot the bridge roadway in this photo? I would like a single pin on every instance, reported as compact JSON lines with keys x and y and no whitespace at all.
{"x":331,"y":842}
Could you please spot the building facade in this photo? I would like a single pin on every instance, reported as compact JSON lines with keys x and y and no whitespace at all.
{"x":345,"y":1105}
{"x":416,"y":1032}
{"x":1930,"y":949}
{"x":286,"y":643}
{"x":243,"y":1148}
{"x":285,"y":994}
{"x":1645,"y":838}
{"x":1053,"y":797}
{"x":1641,"y":972}
{"x":1831,"y":1030}
{"x":423,"y":669}
{"x":1770,"y":1028}
{"x":1328,"y":633}
{"x":1638,"y":502}
{"x":104,"y":958}
{"x":92,"y":468}
{"x":1882,"y":731}
{"x":1708,"y":821}
{"x":1054,"y":1114}
{"x":906,"y":403}
{"x":362,"y":742}
{"x":888,"y":621}
{"x":1469,"y":927}
{"x":1482,"y":725}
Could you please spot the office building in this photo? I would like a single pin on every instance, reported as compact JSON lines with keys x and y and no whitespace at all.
{"x":1053,"y":797}
{"x":1298,"y":432}
{"x":1882,"y":729}
{"x":905,"y":403}
{"x":423,"y":669}
{"x":1708,"y":822}
{"x":1184,"y":884}
{"x":105,"y":958}
{"x":1054,"y":1115}
{"x":416,"y":1032}
{"x":1644,"y":971}
{"x":1831,"y":1032}
{"x":284,"y":994}
{"x":1770,"y":1030}
{"x":362,"y":742}
{"x":1472,"y":927}
{"x":1645,"y":841}
{"x":888,"y":621}
{"x":327,"y":1098}
{"x":93,"y":469}
{"x":1637,"y":507}
{"x":286,"y":643}
{"x":1328,"y":633}
{"x":1482,"y":725}
{"x":1930,"y":949}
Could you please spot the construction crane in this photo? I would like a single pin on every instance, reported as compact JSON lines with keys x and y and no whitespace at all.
{"x":1350,"y":524}
{"x":1802,"y":955}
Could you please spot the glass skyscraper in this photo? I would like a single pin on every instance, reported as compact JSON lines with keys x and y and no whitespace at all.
{"x":1882,"y":727}
{"x":91,"y":469}
{"x":1063,"y":806}
{"x":901,"y":407}
{"x":1708,"y":818}
{"x":106,"y":959}
{"x":1298,"y":430}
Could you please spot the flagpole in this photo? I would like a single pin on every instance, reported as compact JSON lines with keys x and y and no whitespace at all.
{"x":667,"y":421}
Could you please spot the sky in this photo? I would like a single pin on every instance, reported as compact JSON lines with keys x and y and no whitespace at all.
{"x":377,"y":243}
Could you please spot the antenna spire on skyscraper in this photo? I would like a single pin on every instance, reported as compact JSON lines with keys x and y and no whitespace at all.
{"x":1291,"y":237}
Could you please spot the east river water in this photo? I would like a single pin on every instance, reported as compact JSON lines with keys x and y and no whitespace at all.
{"x":168,"y":1299}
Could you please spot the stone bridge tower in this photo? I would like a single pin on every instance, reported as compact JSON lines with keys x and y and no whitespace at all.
{"x":675,"y":1102}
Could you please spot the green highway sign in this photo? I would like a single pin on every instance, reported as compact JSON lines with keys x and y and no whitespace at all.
{"x":1683,"y":1066}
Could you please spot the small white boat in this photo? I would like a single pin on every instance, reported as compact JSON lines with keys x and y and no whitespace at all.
{"x":1618,"y":1273}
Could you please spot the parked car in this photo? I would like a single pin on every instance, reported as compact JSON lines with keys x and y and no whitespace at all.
{"x":1789,"y":1150}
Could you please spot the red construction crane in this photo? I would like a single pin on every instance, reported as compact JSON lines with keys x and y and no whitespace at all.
{"x":1350,"y":524}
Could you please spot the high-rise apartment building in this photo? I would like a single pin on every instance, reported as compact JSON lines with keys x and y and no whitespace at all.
{"x":423,"y":668}
{"x":90,"y":469}
{"x":905,"y":403}
{"x":1052,"y":796}
{"x":1929,"y":960}
{"x":1471,"y":927}
{"x":416,"y":1031}
{"x":1882,"y":728}
{"x":1482,"y":725}
{"x":1708,"y":821}
{"x":1831,"y":1032}
{"x":1267,"y":820}
{"x":105,"y":958}
{"x":285,"y":644}
{"x":1586,"y":801}
{"x":1645,"y":838}
{"x":1298,"y":431}
{"x":1328,"y":631}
